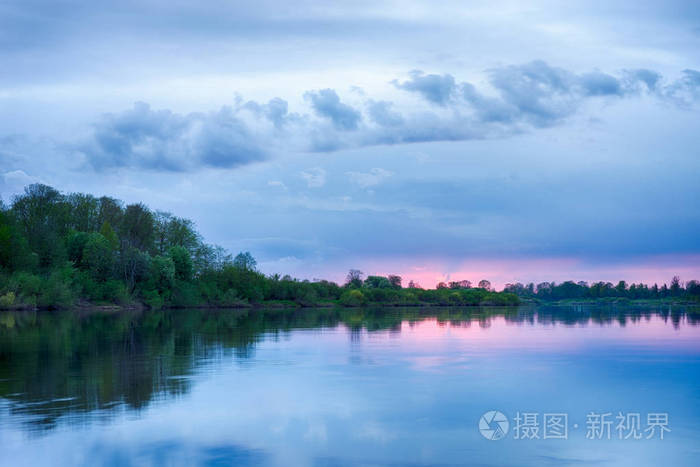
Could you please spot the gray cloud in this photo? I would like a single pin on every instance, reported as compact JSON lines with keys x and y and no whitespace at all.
{"x":380,"y":112}
{"x":634,"y":78}
{"x":686,"y":90}
{"x":276,"y":111}
{"x":541,"y":94}
{"x":326,"y":103}
{"x":600,"y":84}
{"x":163,"y":140}
{"x":437,"y":89}
{"x":520,"y":98}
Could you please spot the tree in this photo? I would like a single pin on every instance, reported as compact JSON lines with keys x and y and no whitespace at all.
{"x":484,"y":284}
{"x":173,"y":231}
{"x":98,"y":256}
{"x":377,"y":282}
{"x":354,"y":278}
{"x":85,"y":210}
{"x":621,"y":288}
{"x":162,"y":274}
{"x":137,"y":227}
{"x":182,"y":261}
{"x":15,"y":254}
{"x":693,"y":288}
{"x":133,"y":266}
{"x":110,"y":211}
{"x":676,"y":286}
{"x":108,"y":232}
{"x":245,"y":261}
{"x":43,"y":215}
{"x":413,"y":285}
{"x":394,"y":280}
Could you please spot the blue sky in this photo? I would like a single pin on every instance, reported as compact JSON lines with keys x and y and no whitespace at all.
{"x":554,"y":140}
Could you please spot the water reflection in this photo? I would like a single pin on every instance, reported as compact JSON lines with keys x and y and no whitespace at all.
{"x":387,"y":386}
{"x":62,"y":364}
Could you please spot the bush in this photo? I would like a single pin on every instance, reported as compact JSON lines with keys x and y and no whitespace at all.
{"x":115,"y":292}
{"x":353,"y":298}
{"x":231,"y":297}
{"x":306,"y":296}
{"x":8,"y":299}
{"x":27,"y":285}
{"x":152,"y":299}
{"x":57,"y":291}
{"x":185,"y":294}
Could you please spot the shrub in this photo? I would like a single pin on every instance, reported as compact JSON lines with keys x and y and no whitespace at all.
{"x":353,"y":298}
{"x":57,"y":291}
{"x":152,"y":299}
{"x":8,"y":299}
{"x":26,"y":284}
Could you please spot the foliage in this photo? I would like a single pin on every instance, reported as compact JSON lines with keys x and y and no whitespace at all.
{"x":353,"y":297}
{"x":8,"y":299}
{"x":570,"y":290}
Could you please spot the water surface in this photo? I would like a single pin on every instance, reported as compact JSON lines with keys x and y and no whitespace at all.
{"x":360,"y":387}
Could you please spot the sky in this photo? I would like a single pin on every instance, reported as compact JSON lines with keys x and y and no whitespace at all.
{"x":436,"y":140}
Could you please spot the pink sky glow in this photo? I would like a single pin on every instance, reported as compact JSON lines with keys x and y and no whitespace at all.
{"x":428,"y":274}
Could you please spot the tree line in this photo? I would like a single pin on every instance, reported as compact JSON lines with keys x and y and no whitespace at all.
{"x":57,"y":250}
{"x":606,"y":290}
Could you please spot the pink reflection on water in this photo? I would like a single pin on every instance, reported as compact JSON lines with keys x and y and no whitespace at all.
{"x":500,"y":333}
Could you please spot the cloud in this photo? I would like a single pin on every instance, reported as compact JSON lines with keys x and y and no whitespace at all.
{"x":380,"y":112}
{"x":600,"y":84}
{"x":374,"y":177}
{"x":326,"y":103}
{"x":314,"y":177}
{"x":437,"y":89}
{"x":518,"y":98}
{"x":14,"y":181}
{"x":686,"y":90}
{"x":163,"y":140}
{"x":542,"y":95}
{"x":534,"y":92}
{"x":634,"y":78}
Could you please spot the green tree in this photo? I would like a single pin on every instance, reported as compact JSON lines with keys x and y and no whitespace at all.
{"x":43,"y":216}
{"x":676,"y":287}
{"x":108,"y":232}
{"x":245,"y":261}
{"x":182,"y":262}
{"x":162,"y":275}
{"x":354,"y":278}
{"x":377,"y":282}
{"x":137,"y":227}
{"x":85,"y":211}
{"x":15,"y":254}
{"x":110,"y":211}
{"x":98,"y":256}
{"x":395,"y":281}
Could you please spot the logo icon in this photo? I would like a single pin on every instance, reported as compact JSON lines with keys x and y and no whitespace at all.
{"x":493,"y":425}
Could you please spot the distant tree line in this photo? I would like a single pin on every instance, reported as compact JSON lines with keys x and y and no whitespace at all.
{"x":606,"y":290}
{"x":380,"y":289}
{"x":57,"y":250}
